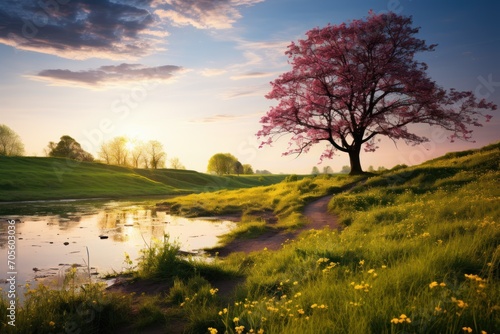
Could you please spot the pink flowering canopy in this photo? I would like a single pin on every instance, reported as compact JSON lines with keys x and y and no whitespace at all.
{"x":352,"y":82}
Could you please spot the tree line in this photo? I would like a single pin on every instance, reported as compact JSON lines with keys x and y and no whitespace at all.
{"x":120,"y":151}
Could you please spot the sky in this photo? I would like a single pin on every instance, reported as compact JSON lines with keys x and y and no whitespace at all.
{"x":193,"y":74}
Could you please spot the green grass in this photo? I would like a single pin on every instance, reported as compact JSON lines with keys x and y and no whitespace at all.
{"x":85,"y":309}
{"x":37,"y":178}
{"x":420,"y":254}
{"x":284,"y":200}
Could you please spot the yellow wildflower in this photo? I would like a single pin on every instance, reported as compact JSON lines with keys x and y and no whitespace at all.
{"x":402,"y":318}
{"x":467,"y":329}
{"x":51,"y":323}
{"x":433,"y":284}
{"x":213,"y":291}
{"x":474,"y":277}
{"x":212,"y":330}
{"x":236,"y":319}
{"x":314,"y":305}
{"x":362,"y":262}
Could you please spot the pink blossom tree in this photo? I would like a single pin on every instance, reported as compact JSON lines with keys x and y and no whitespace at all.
{"x":352,"y":82}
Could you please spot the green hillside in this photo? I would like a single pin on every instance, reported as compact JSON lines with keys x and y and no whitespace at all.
{"x":419,"y":252}
{"x":40,"y":178}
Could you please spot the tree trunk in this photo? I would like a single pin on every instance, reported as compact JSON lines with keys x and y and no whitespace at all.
{"x":355,"y":161}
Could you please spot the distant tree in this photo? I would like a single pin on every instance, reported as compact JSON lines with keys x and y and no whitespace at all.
{"x":136,"y":152}
{"x":327,"y":170}
{"x":247,"y":169}
{"x":69,"y":148}
{"x":115,"y":151}
{"x":10,"y":142}
{"x":155,"y":154}
{"x":221,"y":163}
{"x":356,"y":81}
{"x":345,"y":170}
{"x":263,"y":172}
{"x":175,"y":163}
{"x":237,"y":168}
{"x":145,"y":161}
{"x":315,"y":170}
{"x":105,"y":153}
{"x":381,"y":169}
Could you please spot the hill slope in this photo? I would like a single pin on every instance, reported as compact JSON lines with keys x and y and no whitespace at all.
{"x":40,"y":178}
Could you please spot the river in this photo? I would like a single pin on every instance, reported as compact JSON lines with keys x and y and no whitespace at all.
{"x":52,"y":236}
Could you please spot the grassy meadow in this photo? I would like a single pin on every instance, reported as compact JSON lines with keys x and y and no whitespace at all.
{"x":40,"y":178}
{"x":419,"y":253}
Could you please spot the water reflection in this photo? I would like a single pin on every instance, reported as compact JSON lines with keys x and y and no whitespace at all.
{"x":48,"y":241}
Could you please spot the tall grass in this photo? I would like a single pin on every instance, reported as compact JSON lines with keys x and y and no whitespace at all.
{"x":84,"y":309}
{"x":420,"y":254}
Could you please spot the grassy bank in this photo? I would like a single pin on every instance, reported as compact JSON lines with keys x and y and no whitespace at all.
{"x":282,"y":201}
{"x":420,"y":254}
{"x":37,"y":178}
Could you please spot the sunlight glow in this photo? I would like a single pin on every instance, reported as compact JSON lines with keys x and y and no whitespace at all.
{"x":130,"y":145}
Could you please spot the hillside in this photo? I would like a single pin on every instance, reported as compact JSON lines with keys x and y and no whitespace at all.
{"x":418,"y":253}
{"x":41,"y":178}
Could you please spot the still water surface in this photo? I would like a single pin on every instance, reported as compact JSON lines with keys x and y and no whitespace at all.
{"x":54,"y":235}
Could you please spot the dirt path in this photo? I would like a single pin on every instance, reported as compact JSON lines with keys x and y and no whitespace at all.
{"x":317,"y":218}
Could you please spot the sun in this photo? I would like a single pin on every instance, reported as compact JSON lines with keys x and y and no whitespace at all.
{"x":130,"y":145}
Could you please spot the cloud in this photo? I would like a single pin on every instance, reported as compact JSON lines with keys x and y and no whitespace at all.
{"x":110,"y":75}
{"x":204,"y":14}
{"x":108,"y":29}
{"x":272,"y":52}
{"x":81,"y":29}
{"x":223,"y":118}
{"x":252,"y":75}
{"x":258,"y":90}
